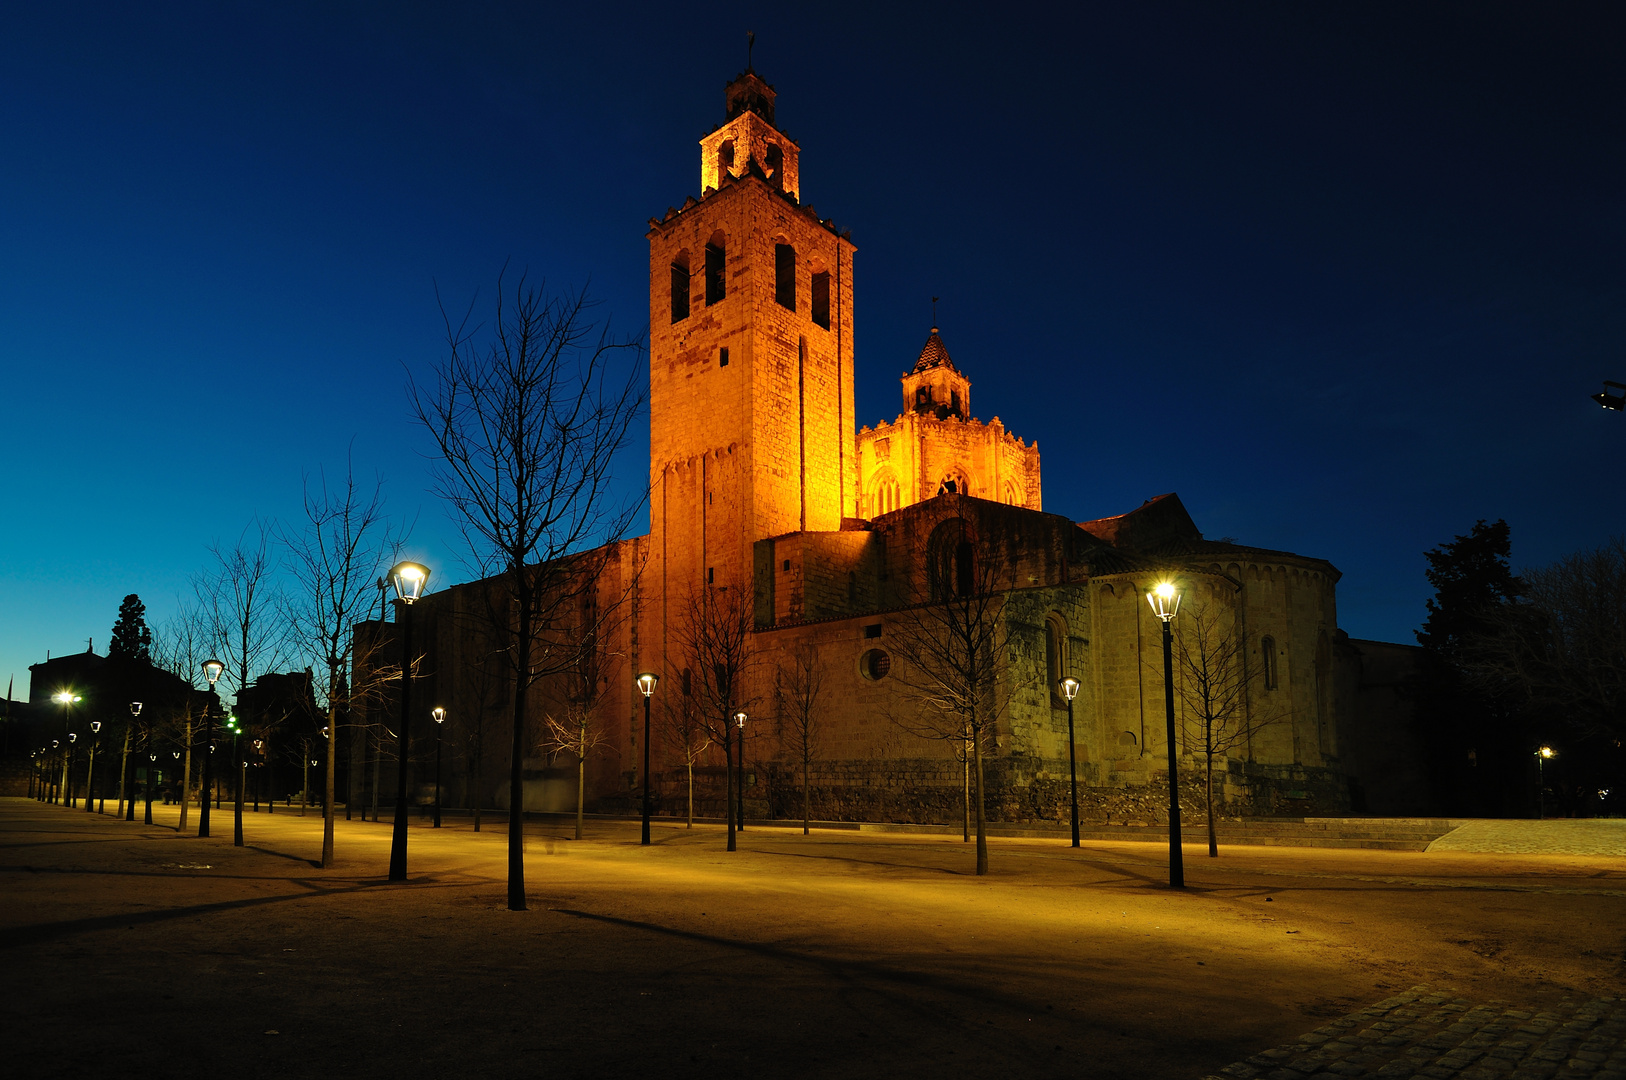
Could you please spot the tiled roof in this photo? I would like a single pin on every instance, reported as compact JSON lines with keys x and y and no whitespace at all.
{"x":934,"y":355}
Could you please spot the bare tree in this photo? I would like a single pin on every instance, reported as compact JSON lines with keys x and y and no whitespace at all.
{"x":527,"y":420}
{"x":240,"y":601}
{"x":577,"y":729}
{"x":1218,"y":685}
{"x":335,"y":558}
{"x":713,"y":635}
{"x":1560,"y":649}
{"x":682,"y":730}
{"x":799,"y":701}
{"x":947,"y":654}
{"x":180,"y":647}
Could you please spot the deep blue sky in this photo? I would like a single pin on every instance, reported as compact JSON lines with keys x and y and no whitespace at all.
{"x":1342,"y":275}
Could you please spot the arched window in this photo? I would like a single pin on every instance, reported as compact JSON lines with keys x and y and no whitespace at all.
{"x":716,"y":268}
{"x":1012,"y":496}
{"x":725,"y":160}
{"x":784,"y":276}
{"x":1055,"y":657}
{"x":1267,"y":661}
{"x":821,"y":298}
{"x":773,"y":161}
{"x":951,"y":561}
{"x":680,"y":287}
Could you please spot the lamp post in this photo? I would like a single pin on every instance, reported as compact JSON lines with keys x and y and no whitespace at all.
{"x":1165,"y":601}
{"x":409,"y":578}
{"x":1069,"y":690}
{"x":1543,"y":755}
{"x":259,"y":763}
{"x":211,"y":671}
{"x":242,"y":767}
{"x":152,"y":770}
{"x":90,"y":772}
{"x":128,"y":782}
{"x":56,"y":745}
{"x":646,"y":685}
{"x":67,"y":769}
{"x":739,"y":725}
{"x":440,"y":718}
{"x":67,"y":698}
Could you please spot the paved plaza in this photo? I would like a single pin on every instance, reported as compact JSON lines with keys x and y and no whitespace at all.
{"x":839,"y":954}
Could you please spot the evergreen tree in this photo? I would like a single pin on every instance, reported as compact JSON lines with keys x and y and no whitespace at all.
{"x":1472,"y":731}
{"x":132,"y":640}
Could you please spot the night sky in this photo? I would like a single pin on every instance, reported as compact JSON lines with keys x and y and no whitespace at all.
{"x":1341,"y":275}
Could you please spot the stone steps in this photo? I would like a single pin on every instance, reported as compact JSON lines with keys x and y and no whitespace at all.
{"x":1382,"y":834}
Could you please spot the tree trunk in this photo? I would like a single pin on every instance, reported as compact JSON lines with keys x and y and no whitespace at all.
{"x":807,"y":797}
{"x":965,"y":795}
{"x":186,"y":777}
{"x":691,"y":792}
{"x":982,"y":819}
{"x":124,"y":772}
{"x":1213,"y":841}
{"x":516,"y":758}
{"x":581,"y":791}
{"x":728,"y":791}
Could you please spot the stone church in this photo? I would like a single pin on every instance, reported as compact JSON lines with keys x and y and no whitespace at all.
{"x":762,"y":482}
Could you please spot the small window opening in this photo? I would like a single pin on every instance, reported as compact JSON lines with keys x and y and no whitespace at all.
{"x":872,"y":631}
{"x":1267,"y":656}
{"x":716,"y":276}
{"x":709,"y":578}
{"x":787,"y":566}
{"x":680,"y":288}
{"x":964,"y":572}
{"x":688,"y":683}
{"x":722,"y":357}
{"x":821,"y":299}
{"x":784,"y":276}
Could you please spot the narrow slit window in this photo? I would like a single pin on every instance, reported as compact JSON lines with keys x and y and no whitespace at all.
{"x":821,"y":298}
{"x":680,"y":288}
{"x":716,"y":276}
{"x":722,"y":357}
{"x":784,"y":276}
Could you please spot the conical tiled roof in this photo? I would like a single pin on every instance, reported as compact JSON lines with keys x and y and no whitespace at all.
{"x":934,"y":355}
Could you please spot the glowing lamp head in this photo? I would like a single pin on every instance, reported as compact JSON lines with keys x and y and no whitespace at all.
{"x":439,"y":714}
{"x":409,"y":579}
{"x":1069,"y":688}
{"x":135,"y":708}
{"x":73,"y":736}
{"x":647,"y":681}
{"x":1547,"y":752}
{"x":212,"y":670}
{"x":1165,"y":600}
{"x":65,"y":697}
{"x":259,"y":744}
{"x":740,"y":718}
{"x":95,"y":727}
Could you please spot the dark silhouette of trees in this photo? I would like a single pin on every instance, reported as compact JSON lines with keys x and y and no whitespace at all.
{"x":132,"y":640}
{"x":1472,"y":730}
{"x":527,"y":418}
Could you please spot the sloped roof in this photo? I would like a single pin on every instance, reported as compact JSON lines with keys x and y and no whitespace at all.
{"x":934,"y":355}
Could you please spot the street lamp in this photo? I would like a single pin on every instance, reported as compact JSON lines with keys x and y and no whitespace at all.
{"x":152,"y":768}
{"x":440,"y":718}
{"x":1165,"y":601}
{"x":242,"y":767}
{"x":409,"y":578}
{"x":67,"y":698}
{"x":1069,"y":690}
{"x":646,"y":685}
{"x":1615,"y":402}
{"x":739,"y":725}
{"x":259,"y":763}
{"x":211,"y":671}
{"x":128,"y":782}
{"x":1544,"y":754}
{"x":73,"y":737}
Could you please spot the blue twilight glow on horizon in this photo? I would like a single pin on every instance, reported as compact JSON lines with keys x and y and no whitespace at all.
{"x":1343,"y":276}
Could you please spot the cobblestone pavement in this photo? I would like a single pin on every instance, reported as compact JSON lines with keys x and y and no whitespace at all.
{"x":1554,"y":836}
{"x":1424,"y":1033}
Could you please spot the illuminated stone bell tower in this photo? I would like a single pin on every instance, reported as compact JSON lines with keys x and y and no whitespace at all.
{"x":750,"y":364}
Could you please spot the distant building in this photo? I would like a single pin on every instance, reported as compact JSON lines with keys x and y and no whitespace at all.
{"x":761,"y":481}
